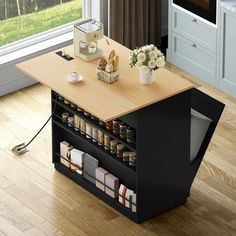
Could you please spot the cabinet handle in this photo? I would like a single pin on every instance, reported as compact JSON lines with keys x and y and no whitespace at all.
{"x":194,"y":20}
{"x":194,"y":45}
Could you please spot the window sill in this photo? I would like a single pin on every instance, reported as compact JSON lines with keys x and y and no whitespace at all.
{"x":35,"y":48}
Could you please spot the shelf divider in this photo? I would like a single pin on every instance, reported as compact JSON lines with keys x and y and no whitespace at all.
{"x":105,"y":154}
{"x":131,"y":146}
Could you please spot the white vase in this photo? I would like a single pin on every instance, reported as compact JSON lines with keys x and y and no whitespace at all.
{"x":146,"y":78}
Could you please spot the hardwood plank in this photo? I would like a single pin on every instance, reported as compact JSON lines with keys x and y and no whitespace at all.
{"x":34,"y":231}
{"x":8,"y":228}
{"x":219,"y":197}
{"x":55,"y":222}
{"x":4,"y":182}
{"x":19,"y":223}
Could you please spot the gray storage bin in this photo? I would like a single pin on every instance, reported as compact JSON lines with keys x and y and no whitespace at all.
{"x":199,"y":127}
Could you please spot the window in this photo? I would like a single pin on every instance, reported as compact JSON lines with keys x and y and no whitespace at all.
{"x":20,"y":19}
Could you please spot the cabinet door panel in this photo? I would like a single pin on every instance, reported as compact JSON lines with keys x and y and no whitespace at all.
{"x":194,"y":28}
{"x":228,"y":53}
{"x":194,"y":58}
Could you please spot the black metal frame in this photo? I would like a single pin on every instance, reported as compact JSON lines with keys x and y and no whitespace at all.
{"x":163,"y":176}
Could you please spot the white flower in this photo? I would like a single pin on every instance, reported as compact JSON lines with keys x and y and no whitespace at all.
{"x":139,"y":64}
{"x":141,"y":57}
{"x":145,"y":69}
{"x":152,"y":47}
{"x":147,"y":58}
{"x":158,"y":52}
{"x":152,"y":55}
{"x":152,"y":64}
{"x":160,"y":62}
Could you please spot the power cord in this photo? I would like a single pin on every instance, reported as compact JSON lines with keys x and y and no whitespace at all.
{"x":22,"y":148}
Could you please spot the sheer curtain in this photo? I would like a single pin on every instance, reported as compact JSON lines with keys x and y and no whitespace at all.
{"x":135,"y":23}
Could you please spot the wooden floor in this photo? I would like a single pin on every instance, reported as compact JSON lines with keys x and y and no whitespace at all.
{"x":36,"y":200}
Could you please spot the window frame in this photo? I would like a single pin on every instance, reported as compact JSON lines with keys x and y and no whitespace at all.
{"x":46,"y":35}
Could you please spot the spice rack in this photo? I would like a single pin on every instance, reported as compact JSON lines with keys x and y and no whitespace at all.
{"x":94,"y":123}
{"x":158,"y":127}
{"x":62,"y":131}
{"x":128,"y":148}
{"x":99,"y":149}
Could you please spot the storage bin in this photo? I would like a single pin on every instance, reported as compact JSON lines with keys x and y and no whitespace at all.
{"x":199,"y":127}
{"x":106,"y":77}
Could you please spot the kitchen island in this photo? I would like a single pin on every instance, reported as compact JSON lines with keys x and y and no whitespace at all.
{"x":160,"y":113}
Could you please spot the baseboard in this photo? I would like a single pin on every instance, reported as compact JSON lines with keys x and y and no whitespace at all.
{"x":16,"y":85}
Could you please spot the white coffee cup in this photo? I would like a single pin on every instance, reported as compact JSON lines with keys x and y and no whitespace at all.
{"x":92,"y":49}
{"x":83,"y":44}
{"x":73,"y":77}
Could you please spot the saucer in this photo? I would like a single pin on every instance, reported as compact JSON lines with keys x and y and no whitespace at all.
{"x":74,"y":79}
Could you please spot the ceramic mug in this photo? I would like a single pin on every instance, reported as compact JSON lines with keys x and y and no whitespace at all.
{"x":92,"y":49}
{"x":73,"y":77}
{"x":83,"y":44}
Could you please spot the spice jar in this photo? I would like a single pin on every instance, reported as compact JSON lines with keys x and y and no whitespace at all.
{"x":66,"y":102}
{"x":88,"y":131}
{"x":125,"y":156}
{"x":100,"y":138}
{"x":122,"y":128}
{"x":72,"y":105}
{"x":102,"y":123}
{"x":93,"y":117}
{"x":130,"y":135}
{"x":95,"y":134}
{"x":65,"y":116}
{"x":120,"y":148}
{"x":113,"y":144}
{"x":79,"y":109}
{"x":82,"y":126}
{"x":132,"y":158}
{"x":107,"y":140}
{"x":60,"y":98}
{"x":70,"y":121}
{"x":115,"y":126}
{"x":86,"y":113}
{"x":109,"y":125}
{"x":76,"y":122}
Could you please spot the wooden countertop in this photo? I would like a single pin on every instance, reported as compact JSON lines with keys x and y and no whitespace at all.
{"x":103,"y":100}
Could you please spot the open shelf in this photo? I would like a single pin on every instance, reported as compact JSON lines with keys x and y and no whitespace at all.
{"x":94,"y":123}
{"x":163,"y":174}
{"x":95,"y":191}
{"x":103,"y":153}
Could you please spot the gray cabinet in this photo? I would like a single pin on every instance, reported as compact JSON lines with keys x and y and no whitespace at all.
{"x":203,"y":49}
{"x":192,"y":43}
{"x":227,"y":72}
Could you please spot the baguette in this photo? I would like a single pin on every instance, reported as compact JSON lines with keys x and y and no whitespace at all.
{"x":116,"y":63}
{"x":111,"y":55}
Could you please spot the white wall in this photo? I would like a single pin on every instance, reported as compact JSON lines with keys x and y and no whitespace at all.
{"x":99,"y":11}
